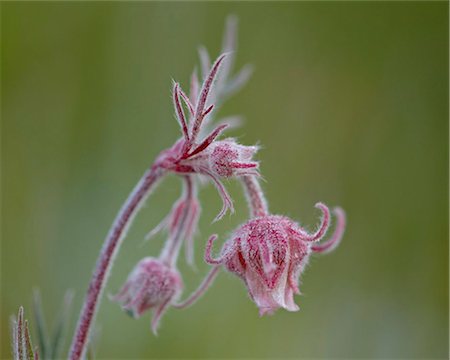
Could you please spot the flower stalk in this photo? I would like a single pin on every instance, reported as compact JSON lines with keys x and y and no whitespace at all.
{"x":106,"y":257}
{"x":255,"y":197}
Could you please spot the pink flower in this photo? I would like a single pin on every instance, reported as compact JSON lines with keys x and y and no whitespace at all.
{"x":151,"y":285}
{"x":269,"y":254}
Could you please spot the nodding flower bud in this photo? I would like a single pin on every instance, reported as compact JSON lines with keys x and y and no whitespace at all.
{"x":215,"y":159}
{"x":269,"y":254}
{"x":151,"y":285}
{"x":228,"y":158}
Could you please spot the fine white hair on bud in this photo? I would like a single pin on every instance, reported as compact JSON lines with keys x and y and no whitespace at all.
{"x":228,"y":158}
{"x":151,"y":285}
{"x":269,"y":254}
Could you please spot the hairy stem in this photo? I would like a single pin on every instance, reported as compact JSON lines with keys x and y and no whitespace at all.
{"x":206,"y":283}
{"x":105,"y":260}
{"x":255,"y":197}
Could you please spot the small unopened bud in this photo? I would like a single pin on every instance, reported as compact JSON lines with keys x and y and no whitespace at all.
{"x":228,"y":158}
{"x":151,"y":285}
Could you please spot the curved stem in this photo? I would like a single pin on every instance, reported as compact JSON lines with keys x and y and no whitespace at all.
{"x":206,"y":283}
{"x":208,"y":257}
{"x":255,"y":196}
{"x":106,"y":258}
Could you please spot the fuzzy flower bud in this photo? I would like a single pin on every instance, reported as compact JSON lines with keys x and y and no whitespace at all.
{"x":151,"y":285}
{"x":269,"y":254}
{"x":228,"y":158}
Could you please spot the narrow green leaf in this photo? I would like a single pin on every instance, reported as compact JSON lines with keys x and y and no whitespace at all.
{"x":89,"y":353}
{"x":92,"y":345}
{"x":20,"y":333}
{"x":40,"y":324}
{"x":28,"y":347}
{"x":14,"y":336}
{"x":58,"y":335}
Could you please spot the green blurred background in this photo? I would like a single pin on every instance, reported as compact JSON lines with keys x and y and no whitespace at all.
{"x":350,"y":102}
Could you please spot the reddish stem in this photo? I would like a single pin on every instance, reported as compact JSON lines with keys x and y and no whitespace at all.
{"x":200,"y":290}
{"x":255,"y":196}
{"x":106,"y":257}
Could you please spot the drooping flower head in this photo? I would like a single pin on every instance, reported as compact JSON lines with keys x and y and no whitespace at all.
{"x":269,"y":254}
{"x":151,"y":285}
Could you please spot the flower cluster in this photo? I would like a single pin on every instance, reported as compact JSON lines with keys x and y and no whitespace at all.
{"x":268,"y":252}
{"x":198,"y":153}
